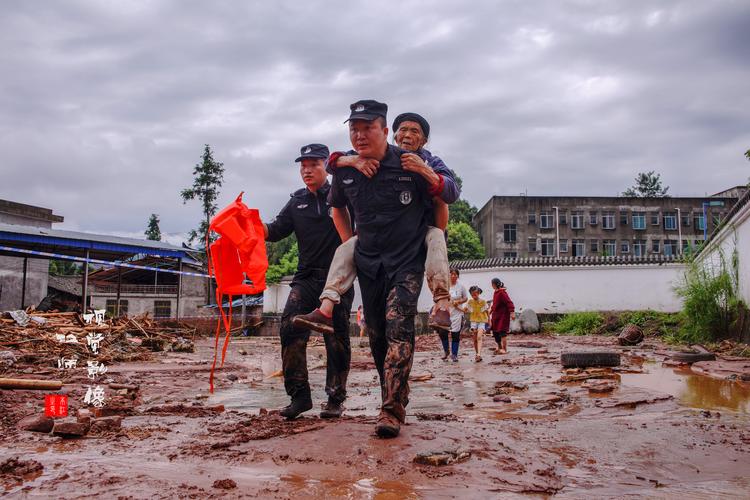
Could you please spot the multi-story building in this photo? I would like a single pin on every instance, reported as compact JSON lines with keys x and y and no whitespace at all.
{"x":578,"y":226}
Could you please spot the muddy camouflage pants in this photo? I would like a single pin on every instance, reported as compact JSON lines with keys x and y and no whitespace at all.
{"x":302,"y":299}
{"x":390,"y":306}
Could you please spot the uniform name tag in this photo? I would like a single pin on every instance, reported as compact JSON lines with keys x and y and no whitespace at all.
{"x":409,"y":179}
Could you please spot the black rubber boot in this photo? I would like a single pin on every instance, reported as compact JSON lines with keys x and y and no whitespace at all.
{"x":332,"y":409}
{"x":298,"y":405}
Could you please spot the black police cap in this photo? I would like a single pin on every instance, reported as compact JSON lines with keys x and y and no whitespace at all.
{"x":412,"y":117}
{"x":368,"y":110}
{"x":313,"y":151}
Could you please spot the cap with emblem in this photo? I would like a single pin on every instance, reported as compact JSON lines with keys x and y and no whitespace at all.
{"x":412,"y":117}
{"x":367,"y":110}
{"x":314,"y":152}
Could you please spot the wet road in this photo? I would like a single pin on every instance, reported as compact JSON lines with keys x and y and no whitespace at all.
{"x":662,"y":432}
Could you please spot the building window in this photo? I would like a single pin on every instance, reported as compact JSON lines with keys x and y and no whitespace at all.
{"x":670,"y":221}
{"x":623,"y":218}
{"x":593,"y":219}
{"x":112,"y":306}
{"x":610,"y":247}
{"x":546,"y":221}
{"x":510,"y":255}
{"x":655,"y":218}
{"x":624,"y":246}
{"x":639,"y":248}
{"x":639,"y":220}
{"x":563,"y":215}
{"x":685,"y":220}
{"x":509,"y":233}
{"x":699,"y":222}
{"x":655,"y":246}
{"x":576,"y":220}
{"x":594,"y":247}
{"x":579,"y":248}
{"x":563,"y":246}
{"x":532,"y":245}
{"x":532,"y":218}
{"x":162,"y":308}
{"x":670,"y":247}
{"x":608,"y":220}
{"x":548,"y":247}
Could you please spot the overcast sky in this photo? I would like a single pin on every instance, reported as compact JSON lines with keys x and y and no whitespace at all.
{"x":105,"y":106}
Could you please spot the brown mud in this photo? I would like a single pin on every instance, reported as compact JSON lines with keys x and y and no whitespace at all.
{"x":508,"y":426}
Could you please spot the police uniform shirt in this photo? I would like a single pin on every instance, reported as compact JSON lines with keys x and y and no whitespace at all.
{"x":389,"y":211}
{"x":308,"y":215}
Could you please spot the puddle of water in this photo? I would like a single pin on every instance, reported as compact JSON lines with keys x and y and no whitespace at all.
{"x":691,"y":389}
{"x":370,"y":488}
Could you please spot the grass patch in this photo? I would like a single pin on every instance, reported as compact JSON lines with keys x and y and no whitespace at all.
{"x":580,"y":323}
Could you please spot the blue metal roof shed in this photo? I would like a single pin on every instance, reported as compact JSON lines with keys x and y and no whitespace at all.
{"x":37,"y":242}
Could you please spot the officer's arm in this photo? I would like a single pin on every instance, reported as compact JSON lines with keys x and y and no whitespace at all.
{"x":343,"y":223}
{"x":281,"y":227}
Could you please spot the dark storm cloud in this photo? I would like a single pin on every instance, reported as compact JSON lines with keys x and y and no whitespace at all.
{"x":105,"y":107}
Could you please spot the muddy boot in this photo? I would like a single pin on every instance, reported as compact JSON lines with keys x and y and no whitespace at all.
{"x":440,"y":320}
{"x":315,"y":320}
{"x":332,"y":409}
{"x":388,"y":425}
{"x":298,"y":406}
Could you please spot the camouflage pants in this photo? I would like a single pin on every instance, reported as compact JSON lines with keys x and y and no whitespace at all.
{"x":390,"y":305}
{"x":302,"y":299}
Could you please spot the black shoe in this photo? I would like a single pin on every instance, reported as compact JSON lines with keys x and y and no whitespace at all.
{"x":332,"y":409}
{"x":298,"y":406}
{"x":388,"y":425}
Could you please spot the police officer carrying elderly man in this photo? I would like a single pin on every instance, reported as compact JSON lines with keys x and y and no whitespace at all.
{"x":394,"y":196}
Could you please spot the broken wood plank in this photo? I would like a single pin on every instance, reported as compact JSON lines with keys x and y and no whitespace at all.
{"x":30,"y":384}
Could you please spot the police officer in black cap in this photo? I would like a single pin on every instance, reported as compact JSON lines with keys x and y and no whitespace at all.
{"x":390,"y":212}
{"x":308,"y":216}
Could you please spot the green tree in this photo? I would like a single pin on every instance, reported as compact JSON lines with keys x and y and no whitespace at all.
{"x":277,"y":249}
{"x":152,"y":231}
{"x":462,"y":211}
{"x":463,"y":242}
{"x":208,"y":176}
{"x":647,"y":185}
{"x":287,"y":265}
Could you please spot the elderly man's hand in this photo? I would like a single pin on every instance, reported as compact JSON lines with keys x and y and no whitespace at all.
{"x":367,"y":166}
{"x":413,"y":163}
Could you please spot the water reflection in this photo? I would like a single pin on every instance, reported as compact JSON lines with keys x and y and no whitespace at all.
{"x":693,"y":390}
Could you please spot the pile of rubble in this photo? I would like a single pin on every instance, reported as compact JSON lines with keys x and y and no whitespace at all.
{"x":45,"y":338}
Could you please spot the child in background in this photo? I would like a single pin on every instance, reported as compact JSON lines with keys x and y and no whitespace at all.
{"x":478,"y":317}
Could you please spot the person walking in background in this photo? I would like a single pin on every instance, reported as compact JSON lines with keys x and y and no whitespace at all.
{"x":501,"y":314}
{"x":361,"y":320}
{"x":458,"y":298}
{"x":478,"y":317}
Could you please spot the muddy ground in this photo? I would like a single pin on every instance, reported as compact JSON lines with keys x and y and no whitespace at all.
{"x":516,"y":429}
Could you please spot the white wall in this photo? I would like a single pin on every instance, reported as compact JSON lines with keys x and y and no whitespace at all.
{"x":557,"y":289}
{"x":735,"y":235}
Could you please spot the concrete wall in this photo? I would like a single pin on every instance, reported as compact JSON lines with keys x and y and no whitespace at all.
{"x":557,"y":289}
{"x":11,"y":278}
{"x":734,"y":236}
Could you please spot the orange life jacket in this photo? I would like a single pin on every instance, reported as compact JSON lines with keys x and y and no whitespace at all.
{"x":238,"y":253}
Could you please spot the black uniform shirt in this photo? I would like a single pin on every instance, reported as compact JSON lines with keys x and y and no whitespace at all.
{"x":389,"y":211}
{"x":308,"y":215}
